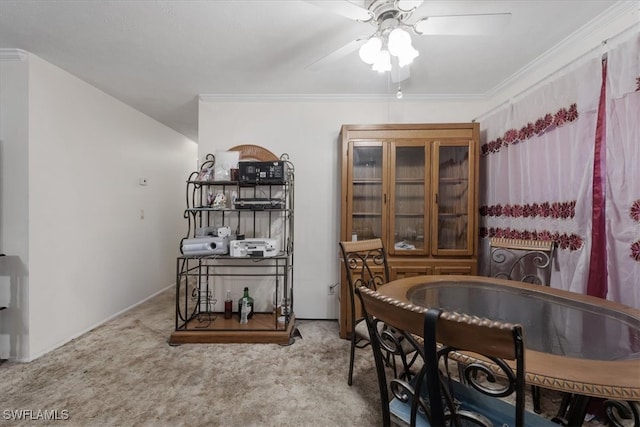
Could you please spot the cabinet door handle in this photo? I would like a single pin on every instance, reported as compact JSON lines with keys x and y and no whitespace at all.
{"x":436,"y":198}
{"x":384,"y":198}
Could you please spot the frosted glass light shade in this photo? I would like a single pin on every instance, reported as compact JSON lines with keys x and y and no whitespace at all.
{"x":399,"y":42}
{"x":370,"y":51}
{"x":377,"y":50}
{"x":407,"y":57}
{"x":383,"y":62}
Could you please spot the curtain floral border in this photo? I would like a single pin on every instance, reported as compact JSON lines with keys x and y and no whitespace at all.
{"x":635,"y":251}
{"x":556,"y":210}
{"x":542,"y":125}
{"x":634,"y":213}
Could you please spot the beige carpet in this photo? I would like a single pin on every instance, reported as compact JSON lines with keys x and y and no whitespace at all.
{"x":125,"y":374}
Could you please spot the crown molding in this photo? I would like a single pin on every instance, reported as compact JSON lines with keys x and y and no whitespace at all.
{"x":293,"y":97}
{"x":13,"y":55}
{"x":617,"y":11}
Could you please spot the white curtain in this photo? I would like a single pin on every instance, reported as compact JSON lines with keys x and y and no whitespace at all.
{"x":623,"y":173}
{"x":537,"y":171}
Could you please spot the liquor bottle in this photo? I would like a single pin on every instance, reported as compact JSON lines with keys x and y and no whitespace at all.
{"x":228,"y":306}
{"x":249,"y":303}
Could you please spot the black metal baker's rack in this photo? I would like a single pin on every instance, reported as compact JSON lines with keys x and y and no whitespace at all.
{"x":199,"y":305}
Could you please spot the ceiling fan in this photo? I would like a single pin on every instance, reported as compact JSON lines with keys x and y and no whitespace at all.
{"x":389,"y":47}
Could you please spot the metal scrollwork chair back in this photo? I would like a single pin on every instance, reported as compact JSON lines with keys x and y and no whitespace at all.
{"x":365,"y":263}
{"x":394,"y":338}
{"x":523,"y":260}
{"x":493,"y":356}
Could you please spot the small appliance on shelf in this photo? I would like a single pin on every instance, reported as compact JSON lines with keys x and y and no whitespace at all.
{"x":255,"y":247}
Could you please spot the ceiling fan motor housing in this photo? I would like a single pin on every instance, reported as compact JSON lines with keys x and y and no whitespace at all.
{"x":385,"y":10}
{"x":386,"y":15}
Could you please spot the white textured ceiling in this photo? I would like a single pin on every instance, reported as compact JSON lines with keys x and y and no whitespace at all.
{"x":158,"y":56}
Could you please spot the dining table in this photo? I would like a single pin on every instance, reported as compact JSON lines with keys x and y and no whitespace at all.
{"x":584,"y":346}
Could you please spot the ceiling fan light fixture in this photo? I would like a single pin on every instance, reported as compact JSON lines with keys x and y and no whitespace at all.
{"x":407,"y":57}
{"x":392,"y":40}
{"x":370,"y":51}
{"x":383,"y":63}
{"x":399,"y":42}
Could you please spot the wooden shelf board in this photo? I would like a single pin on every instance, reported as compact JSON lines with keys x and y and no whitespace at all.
{"x":259,"y":330}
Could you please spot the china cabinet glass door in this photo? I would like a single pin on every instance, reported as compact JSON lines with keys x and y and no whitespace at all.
{"x":453,"y":197}
{"x":367,"y":192}
{"x":409,"y":216}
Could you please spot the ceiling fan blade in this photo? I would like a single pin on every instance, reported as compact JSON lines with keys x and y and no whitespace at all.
{"x":336,"y":54}
{"x":463,"y":25}
{"x":345,"y":8}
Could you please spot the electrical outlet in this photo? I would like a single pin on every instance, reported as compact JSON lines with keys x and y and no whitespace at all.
{"x":332,"y":289}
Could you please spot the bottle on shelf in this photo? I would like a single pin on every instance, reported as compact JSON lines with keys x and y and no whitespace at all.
{"x":244,"y":311}
{"x":249,"y":301}
{"x":228,"y":304}
{"x":234,"y":199}
{"x":284,"y":310}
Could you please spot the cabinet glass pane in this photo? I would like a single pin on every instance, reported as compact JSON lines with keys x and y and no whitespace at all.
{"x":453,"y":197}
{"x":409,"y":198}
{"x":367,"y":192}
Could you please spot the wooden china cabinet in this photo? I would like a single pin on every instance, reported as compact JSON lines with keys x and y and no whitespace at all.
{"x":415,"y":187}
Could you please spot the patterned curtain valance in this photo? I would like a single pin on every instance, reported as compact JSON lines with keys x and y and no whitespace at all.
{"x":544,"y":124}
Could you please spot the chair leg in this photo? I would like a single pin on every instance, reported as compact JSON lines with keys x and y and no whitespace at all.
{"x":535,"y":396}
{"x":353,"y":352}
{"x":572,"y":411}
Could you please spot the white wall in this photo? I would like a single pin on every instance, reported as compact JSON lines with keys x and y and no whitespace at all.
{"x":91,"y":254}
{"x":308,"y":129}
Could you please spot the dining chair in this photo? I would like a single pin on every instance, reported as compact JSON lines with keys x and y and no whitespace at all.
{"x":493,"y":353}
{"x":525,"y":261}
{"x":376,"y":313}
{"x":365,"y":263}
{"x":522,"y":260}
